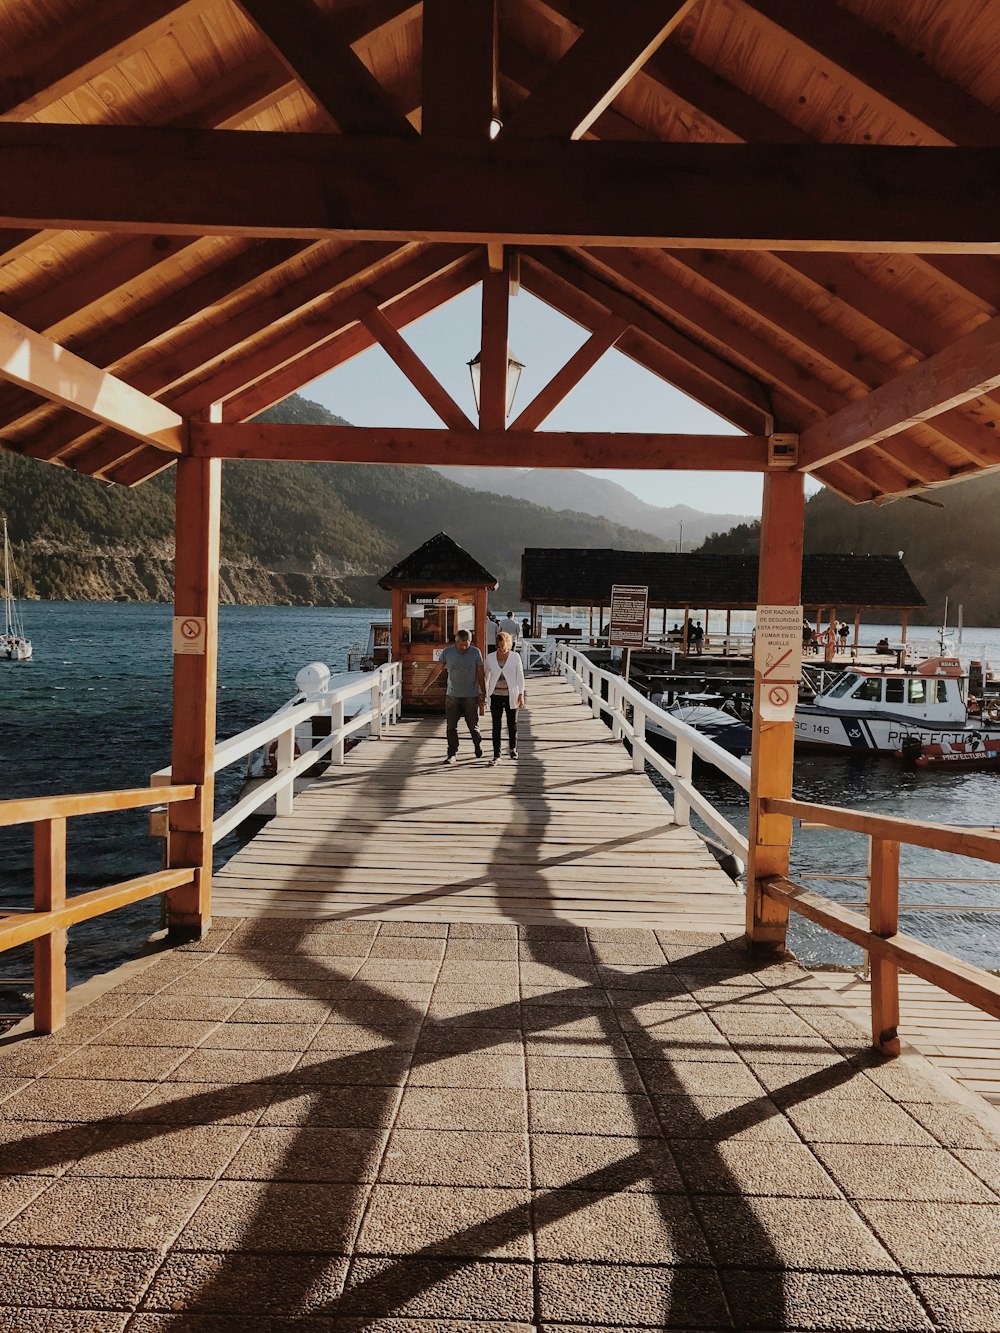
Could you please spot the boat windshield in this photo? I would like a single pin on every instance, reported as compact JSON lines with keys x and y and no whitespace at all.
{"x":841,"y":685}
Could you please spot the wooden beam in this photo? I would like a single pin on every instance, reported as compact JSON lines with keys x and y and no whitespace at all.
{"x":595,"y":69}
{"x":310,"y":45}
{"x":196,"y":601}
{"x":50,"y":950}
{"x":883,"y":917}
{"x":955,"y":375}
{"x":729,"y":196}
{"x":426,"y":384}
{"x":459,"y":68}
{"x":487,"y":448}
{"x":565,"y":380}
{"x":36,"y":363}
{"x":494,"y":351}
{"x":779,"y":585}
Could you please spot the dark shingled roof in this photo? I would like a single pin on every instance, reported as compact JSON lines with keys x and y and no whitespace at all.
{"x":439,"y":561}
{"x":576,"y":577}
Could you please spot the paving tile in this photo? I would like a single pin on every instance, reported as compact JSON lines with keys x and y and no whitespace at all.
{"x":440,"y":1288}
{"x":907,"y":1080}
{"x":407,"y":947}
{"x":375,"y":971}
{"x":560,"y":1046}
{"x":138,"y":1031}
{"x":357,"y":1037}
{"x":591,"y":1161}
{"x":413,"y":995}
{"x":227,"y":988}
{"x":840,"y":1302}
{"x":17,"y":1192}
{"x":793,"y":1082}
{"x":110,"y":1214}
{"x":304,"y":988}
{"x":185,"y":1008}
{"x":653,"y":982}
{"x":953,"y":1125}
{"x":437,"y":1039}
{"x":777,"y":1170}
{"x":630,"y":1227}
{"x":260,"y":1037}
{"x":337,"y":946}
{"x":962,"y":1304}
{"x":476,"y":1159}
{"x":281,"y":1011}
{"x":276,"y":1215}
{"x":204,"y":1066}
{"x":699,"y":1116}
{"x":495,"y":951}
{"x":620,"y":935}
{"x":345,"y":1068}
{"x":149,"y":1064}
{"x":473,"y":1070}
{"x":567,"y":1021}
{"x":196,"y":1152}
{"x":488,"y":995}
{"x":299,"y":1284}
{"x":983,"y":1164}
{"x":478,"y":1223}
{"x":648,"y":1296}
{"x":557,"y":978}
{"x":681,"y":1077}
{"x":42,"y":1148}
{"x":563,"y":997}
{"x":554,"y":951}
{"x":886,"y":1172}
{"x":555,"y":930}
{"x":759,"y":1020}
{"x":360,"y":1107}
{"x":637,"y":955}
{"x":481,"y":930}
{"x":597,"y":1112}
{"x":33,"y":1277}
{"x":838,"y":1120}
{"x":583,"y":1075}
{"x":300,"y":1153}
{"x":377,"y":1013}
{"x":430,"y":1326}
{"x":812,"y":1234}
{"x":92,"y":1099}
{"x":961,"y":1239}
{"x":213,"y":1323}
{"x":29,"y":1056}
{"x":464,"y":972}
{"x":200,"y":1103}
{"x":758,"y":1050}
{"x":19,"y":1320}
{"x":500,"y":1109}
{"x":427,"y":929}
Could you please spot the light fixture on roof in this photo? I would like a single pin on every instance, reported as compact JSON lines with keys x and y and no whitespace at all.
{"x":496,"y":125}
{"x":514,"y":368}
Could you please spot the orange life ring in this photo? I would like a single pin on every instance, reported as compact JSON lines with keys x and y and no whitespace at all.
{"x":825,"y":637}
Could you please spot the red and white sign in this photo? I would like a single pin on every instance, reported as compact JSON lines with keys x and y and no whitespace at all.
{"x":190,"y":636}
{"x":629,"y":607}
{"x":777,"y":661}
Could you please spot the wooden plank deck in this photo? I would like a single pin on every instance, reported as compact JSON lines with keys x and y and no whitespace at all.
{"x":566,"y":832}
{"x":957,"y":1038}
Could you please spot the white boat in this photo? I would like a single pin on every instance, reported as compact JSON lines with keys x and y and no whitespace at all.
{"x":879,"y":709}
{"x":14,"y":647}
{"x":702,"y":712}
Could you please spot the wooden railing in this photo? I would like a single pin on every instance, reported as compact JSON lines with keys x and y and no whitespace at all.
{"x":630,"y":713}
{"x":879,"y":934}
{"x":53,"y":913}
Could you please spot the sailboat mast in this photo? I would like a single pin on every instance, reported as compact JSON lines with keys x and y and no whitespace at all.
{"x":8,"y":609}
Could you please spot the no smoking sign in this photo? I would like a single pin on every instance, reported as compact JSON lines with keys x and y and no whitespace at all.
{"x":778,"y":700}
{"x":189,"y":636}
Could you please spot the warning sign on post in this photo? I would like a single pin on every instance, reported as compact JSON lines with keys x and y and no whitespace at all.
{"x":777,"y":702}
{"x":778,"y":644}
{"x":189,"y":636}
{"x":629,"y":604}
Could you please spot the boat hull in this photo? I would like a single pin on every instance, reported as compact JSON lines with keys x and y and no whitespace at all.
{"x":823,"y":729}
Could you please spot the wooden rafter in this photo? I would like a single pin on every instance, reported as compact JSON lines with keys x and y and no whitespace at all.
{"x":338,"y":80}
{"x":416,"y":371}
{"x":36,"y":363}
{"x":496,"y":448}
{"x":964,"y":370}
{"x":459,"y":68}
{"x":595,"y":69}
{"x":494,"y":350}
{"x":742,"y":196}
{"x":569,"y":376}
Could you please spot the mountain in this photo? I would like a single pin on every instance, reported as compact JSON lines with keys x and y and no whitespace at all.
{"x":560,"y":488}
{"x":292,"y":533}
{"x":947,"y":544}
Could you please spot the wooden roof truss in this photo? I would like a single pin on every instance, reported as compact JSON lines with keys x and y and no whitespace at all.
{"x":788,"y":211}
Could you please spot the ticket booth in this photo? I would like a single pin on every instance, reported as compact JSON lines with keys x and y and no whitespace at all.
{"x":436,"y":591}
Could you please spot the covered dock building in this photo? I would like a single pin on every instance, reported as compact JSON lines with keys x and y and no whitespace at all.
{"x":358,"y":1118}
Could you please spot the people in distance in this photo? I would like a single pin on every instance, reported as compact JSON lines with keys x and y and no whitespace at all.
{"x":505,"y":691}
{"x":466,"y":695}
{"x":510,"y":626}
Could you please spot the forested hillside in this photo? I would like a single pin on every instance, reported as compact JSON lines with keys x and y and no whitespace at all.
{"x":302,"y":533}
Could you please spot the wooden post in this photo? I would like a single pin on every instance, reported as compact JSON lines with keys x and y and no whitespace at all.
{"x":284,"y":798}
{"x":906,"y":618}
{"x":729,"y":629}
{"x":684,"y":630}
{"x":779,"y":584}
{"x":857,"y":630}
{"x":591,"y":622}
{"x":494,"y":353}
{"x":831,"y":645}
{"x":883,"y":917}
{"x":192,"y":755}
{"x":50,"y":951}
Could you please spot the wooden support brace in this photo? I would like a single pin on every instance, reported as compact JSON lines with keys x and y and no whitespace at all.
{"x":883,"y":916}
{"x":50,"y":950}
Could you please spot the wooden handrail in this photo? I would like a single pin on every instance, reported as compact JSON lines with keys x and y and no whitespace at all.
{"x":937,"y":837}
{"x":31,"y":809}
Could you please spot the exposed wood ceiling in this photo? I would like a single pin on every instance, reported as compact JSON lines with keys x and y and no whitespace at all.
{"x":881,"y":355}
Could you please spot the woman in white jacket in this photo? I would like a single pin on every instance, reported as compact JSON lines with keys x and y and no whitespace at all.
{"x":505,"y":691}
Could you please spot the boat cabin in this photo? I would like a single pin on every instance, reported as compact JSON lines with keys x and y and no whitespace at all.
{"x":933,"y":691}
{"x":437,"y":590}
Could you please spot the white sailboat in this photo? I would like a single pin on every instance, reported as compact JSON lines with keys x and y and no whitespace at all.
{"x":13,"y":644}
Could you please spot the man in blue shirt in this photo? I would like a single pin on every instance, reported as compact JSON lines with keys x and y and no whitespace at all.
{"x":466,"y":696}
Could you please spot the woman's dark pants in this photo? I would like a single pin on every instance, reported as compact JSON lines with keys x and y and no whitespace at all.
{"x":500,"y":704}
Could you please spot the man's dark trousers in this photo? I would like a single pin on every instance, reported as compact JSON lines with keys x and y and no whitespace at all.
{"x":454,"y":709}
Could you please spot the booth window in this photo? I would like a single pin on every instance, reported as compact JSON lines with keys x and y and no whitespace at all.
{"x":433,"y":621}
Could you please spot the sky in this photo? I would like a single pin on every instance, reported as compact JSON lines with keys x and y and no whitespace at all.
{"x":616,"y":395}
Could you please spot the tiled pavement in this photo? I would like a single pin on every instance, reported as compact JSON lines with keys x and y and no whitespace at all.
{"x":400,"y":1127}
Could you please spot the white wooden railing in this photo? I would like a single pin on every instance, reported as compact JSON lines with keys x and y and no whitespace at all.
{"x":383,"y":690}
{"x":630,"y":711}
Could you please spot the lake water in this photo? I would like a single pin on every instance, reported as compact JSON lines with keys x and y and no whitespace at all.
{"x":92,"y":712}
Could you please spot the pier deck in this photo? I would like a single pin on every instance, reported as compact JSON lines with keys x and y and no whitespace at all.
{"x":566,"y":832}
